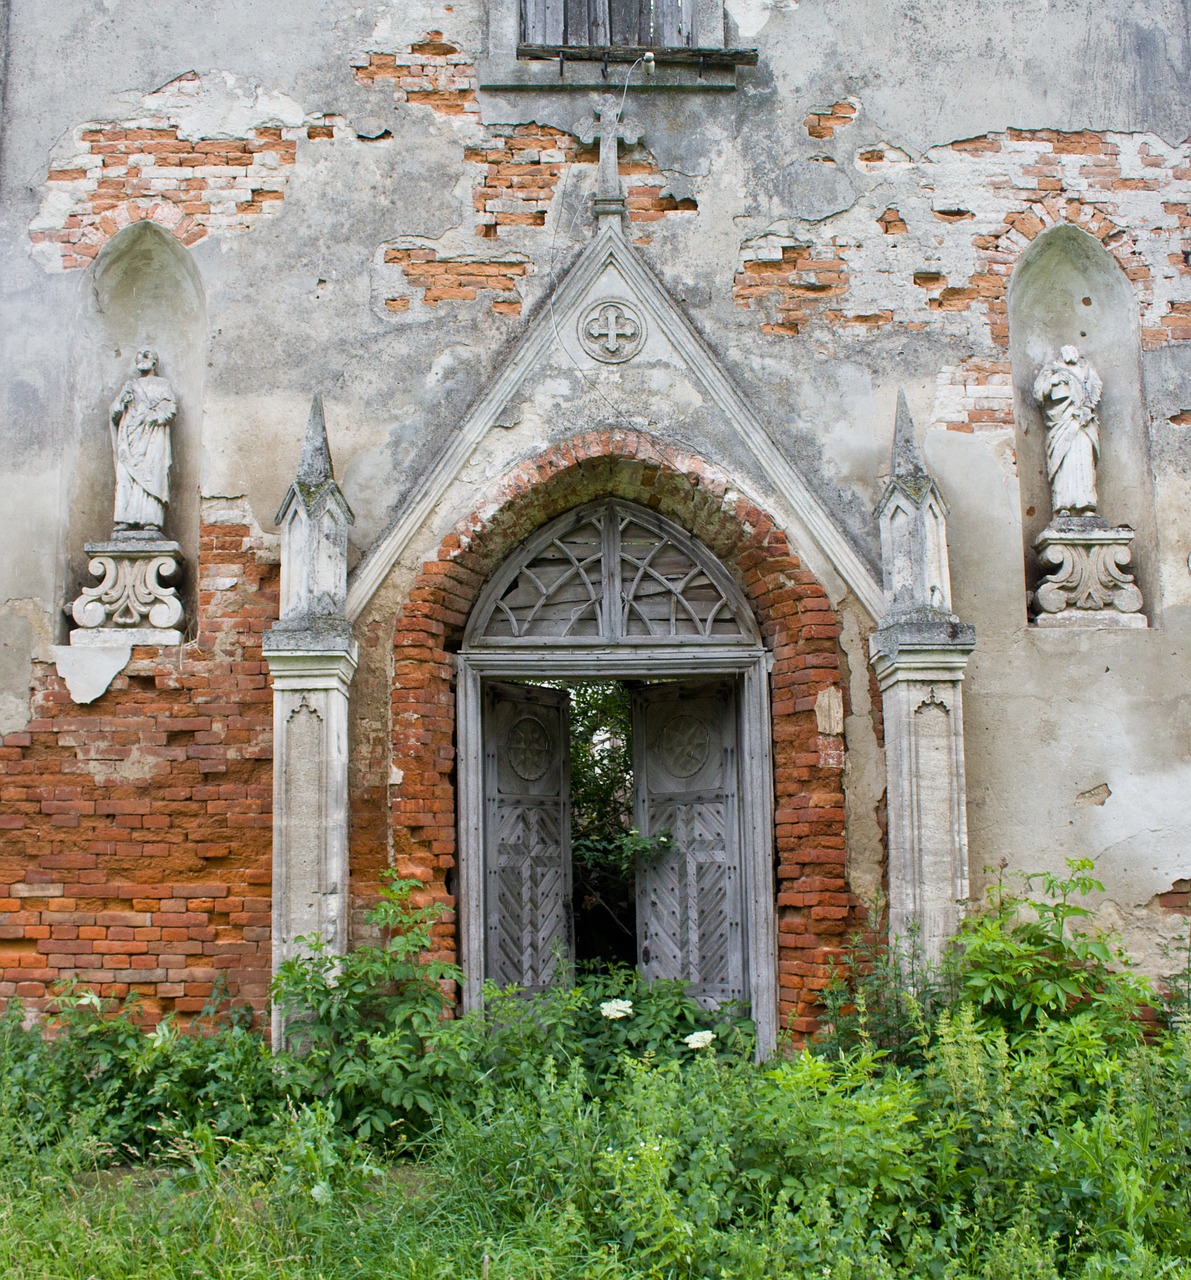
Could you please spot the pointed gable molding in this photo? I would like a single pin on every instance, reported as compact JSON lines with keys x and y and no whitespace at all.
{"x":822,"y":542}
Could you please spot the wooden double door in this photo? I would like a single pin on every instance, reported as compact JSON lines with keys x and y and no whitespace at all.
{"x":686,"y":783}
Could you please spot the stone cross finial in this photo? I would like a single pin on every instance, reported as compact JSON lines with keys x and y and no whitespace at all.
{"x":609,"y":201}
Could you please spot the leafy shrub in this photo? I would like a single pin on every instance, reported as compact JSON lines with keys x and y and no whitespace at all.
{"x":360,"y":1022}
{"x":1025,"y":961}
{"x":96,"y":1071}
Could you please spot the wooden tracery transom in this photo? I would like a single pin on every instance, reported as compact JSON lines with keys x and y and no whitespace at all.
{"x":611,"y":573}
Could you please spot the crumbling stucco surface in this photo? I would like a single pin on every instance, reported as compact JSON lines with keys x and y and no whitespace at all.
{"x":842,"y":224}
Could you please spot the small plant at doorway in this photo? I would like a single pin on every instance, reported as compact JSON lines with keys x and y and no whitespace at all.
{"x":622,"y":1015}
{"x":623,"y":856}
{"x":610,"y":1015}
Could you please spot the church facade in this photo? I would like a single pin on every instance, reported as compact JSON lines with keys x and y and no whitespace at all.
{"x":374,"y":371}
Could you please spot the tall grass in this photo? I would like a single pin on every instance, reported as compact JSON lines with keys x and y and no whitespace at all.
{"x":1021,"y":1126}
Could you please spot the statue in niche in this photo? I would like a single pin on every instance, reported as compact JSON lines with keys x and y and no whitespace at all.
{"x":140,"y":420}
{"x":1069,"y":391}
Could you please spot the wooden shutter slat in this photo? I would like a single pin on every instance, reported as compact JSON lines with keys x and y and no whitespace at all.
{"x":665,"y":24}
{"x":599,"y":23}
{"x":578,"y":22}
{"x":553,"y":20}
{"x":624,"y":21}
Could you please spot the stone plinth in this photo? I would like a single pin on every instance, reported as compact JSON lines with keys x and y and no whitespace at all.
{"x":919,"y":659}
{"x":1089,"y":586}
{"x":131,"y":603}
{"x":312,"y":671}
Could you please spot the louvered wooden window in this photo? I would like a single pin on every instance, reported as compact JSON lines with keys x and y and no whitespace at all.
{"x":602,"y":24}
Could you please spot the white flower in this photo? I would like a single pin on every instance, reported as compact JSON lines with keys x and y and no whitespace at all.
{"x":614,"y":1009}
{"x":698,"y":1039}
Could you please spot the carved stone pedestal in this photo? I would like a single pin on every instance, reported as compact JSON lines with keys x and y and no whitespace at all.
{"x":131,"y":604}
{"x":1089,"y":586}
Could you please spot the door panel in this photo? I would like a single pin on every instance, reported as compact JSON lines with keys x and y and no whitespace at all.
{"x":689,"y":902}
{"x":527,"y":836}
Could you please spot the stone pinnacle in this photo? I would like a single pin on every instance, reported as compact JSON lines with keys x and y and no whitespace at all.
{"x":907,"y":460}
{"x":314,"y":467}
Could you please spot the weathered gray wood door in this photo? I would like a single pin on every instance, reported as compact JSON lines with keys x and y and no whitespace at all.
{"x":527,"y":833}
{"x":690,"y":922}
{"x":601,"y":23}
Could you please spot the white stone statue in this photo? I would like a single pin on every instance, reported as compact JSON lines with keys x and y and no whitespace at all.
{"x":1069,"y":391}
{"x":140,"y":420}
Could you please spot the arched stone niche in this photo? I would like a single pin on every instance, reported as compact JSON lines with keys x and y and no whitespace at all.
{"x":1068,"y":289}
{"x":143,"y":291}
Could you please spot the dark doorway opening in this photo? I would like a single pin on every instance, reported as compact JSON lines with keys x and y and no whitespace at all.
{"x":605,"y":846}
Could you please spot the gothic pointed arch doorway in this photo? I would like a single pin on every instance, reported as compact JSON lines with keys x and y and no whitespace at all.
{"x":613,"y":591}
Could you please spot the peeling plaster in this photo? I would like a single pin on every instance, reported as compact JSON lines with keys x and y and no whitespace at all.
{"x":864,"y":767}
{"x":751,"y":16}
{"x":25,"y":635}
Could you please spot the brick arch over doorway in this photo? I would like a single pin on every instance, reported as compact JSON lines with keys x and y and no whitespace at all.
{"x":799,"y":627}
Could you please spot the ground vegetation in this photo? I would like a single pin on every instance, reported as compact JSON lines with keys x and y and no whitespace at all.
{"x":1024,"y":1112}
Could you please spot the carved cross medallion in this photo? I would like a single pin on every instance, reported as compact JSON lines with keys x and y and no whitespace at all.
{"x":611,"y":331}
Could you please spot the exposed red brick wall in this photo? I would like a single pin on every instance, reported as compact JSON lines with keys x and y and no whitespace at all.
{"x":975,"y":396}
{"x":143,"y":170}
{"x":1129,"y":194}
{"x":431,"y":73}
{"x":522,"y":168}
{"x":824,"y":122}
{"x":892,"y":224}
{"x":815,"y":908}
{"x":458,"y":279}
{"x":1177,"y":897}
{"x":522,"y":164}
{"x":799,"y":282}
{"x":137,"y":851}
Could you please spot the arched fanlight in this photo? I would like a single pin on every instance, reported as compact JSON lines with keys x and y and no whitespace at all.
{"x":611,"y":573}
